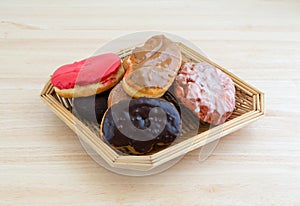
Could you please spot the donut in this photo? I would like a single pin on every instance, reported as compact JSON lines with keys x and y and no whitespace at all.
{"x":117,"y":94}
{"x":89,"y":76}
{"x":152,"y":68}
{"x":138,"y":125}
{"x":207,"y":91}
{"x":92,"y":108}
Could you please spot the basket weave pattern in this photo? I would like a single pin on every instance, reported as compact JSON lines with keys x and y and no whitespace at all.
{"x":249,"y":107}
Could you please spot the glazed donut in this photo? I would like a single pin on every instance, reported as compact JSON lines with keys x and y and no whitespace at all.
{"x":117,"y":94}
{"x":207,"y":91}
{"x":88,"y":77}
{"x":138,"y":125}
{"x":152,"y":68}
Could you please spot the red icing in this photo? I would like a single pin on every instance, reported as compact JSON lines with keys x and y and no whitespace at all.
{"x":87,"y":71}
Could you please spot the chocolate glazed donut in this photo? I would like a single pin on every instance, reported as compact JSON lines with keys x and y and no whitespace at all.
{"x":91,"y":108}
{"x":138,"y":125}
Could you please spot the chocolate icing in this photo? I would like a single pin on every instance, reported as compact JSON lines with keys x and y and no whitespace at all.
{"x":156,"y":63}
{"x":91,"y":108}
{"x":141,"y":115}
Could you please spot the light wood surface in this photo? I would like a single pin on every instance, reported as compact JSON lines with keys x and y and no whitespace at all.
{"x":43,"y":163}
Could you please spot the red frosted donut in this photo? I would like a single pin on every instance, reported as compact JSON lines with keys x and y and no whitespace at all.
{"x":89,"y":76}
{"x":206,"y":91}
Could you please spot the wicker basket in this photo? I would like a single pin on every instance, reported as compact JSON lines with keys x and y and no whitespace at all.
{"x":249,"y":107}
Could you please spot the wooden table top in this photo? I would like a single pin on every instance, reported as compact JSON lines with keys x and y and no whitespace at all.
{"x":42,"y":161}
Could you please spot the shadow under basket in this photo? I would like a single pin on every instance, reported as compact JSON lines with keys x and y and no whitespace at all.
{"x":249,"y":107}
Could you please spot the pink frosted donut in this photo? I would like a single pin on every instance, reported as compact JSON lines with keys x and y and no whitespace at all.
{"x":206,"y":91}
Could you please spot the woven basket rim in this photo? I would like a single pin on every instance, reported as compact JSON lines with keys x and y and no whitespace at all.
{"x":255,"y":99}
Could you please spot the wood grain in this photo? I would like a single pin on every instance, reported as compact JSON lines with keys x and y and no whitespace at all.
{"x":42,"y":161}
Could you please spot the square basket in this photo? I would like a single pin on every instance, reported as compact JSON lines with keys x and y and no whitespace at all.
{"x":249,"y":107}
